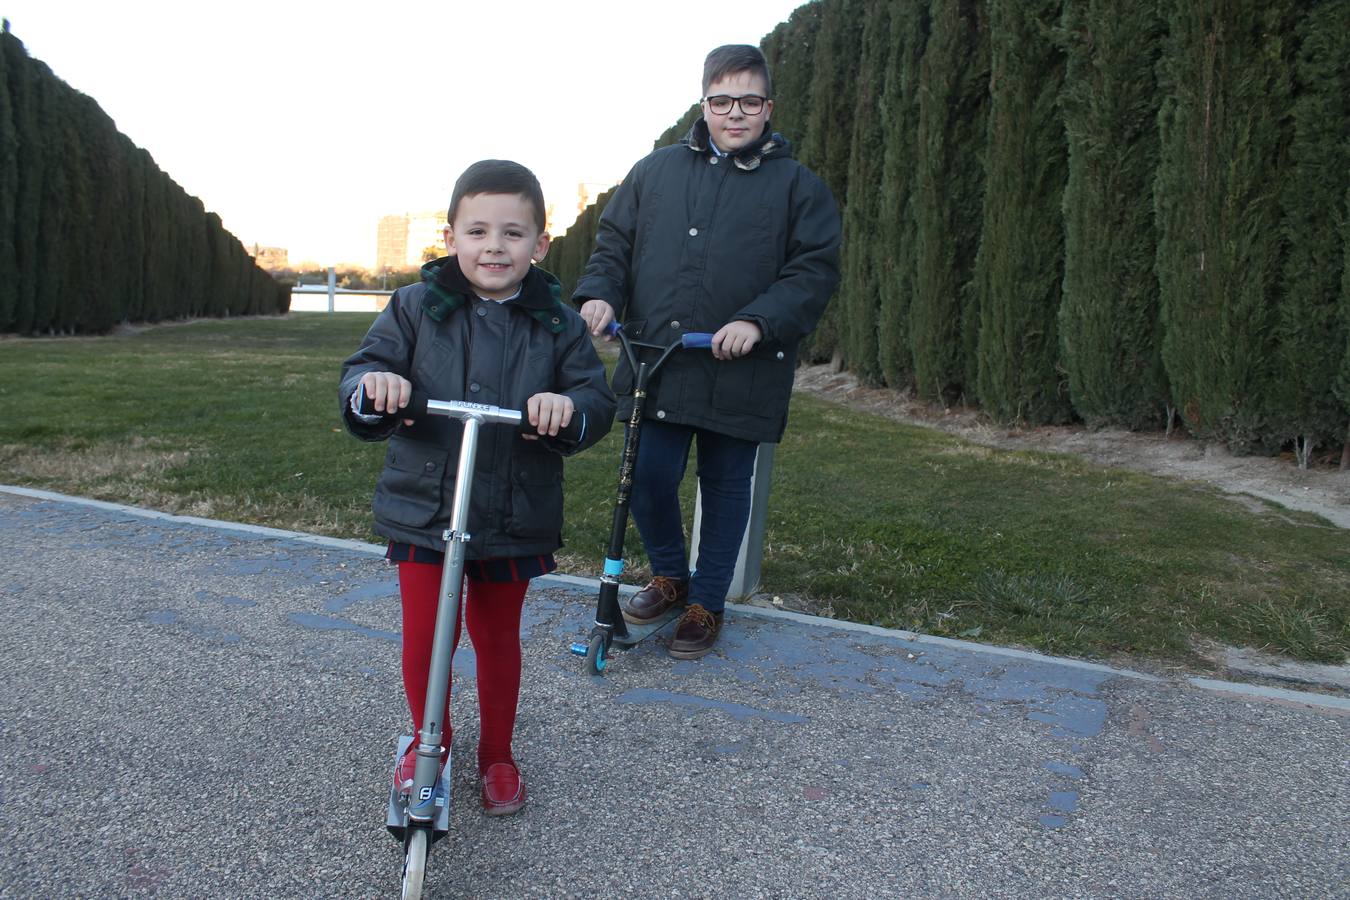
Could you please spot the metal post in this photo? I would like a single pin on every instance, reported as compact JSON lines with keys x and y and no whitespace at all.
{"x":745,"y":579}
{"x":332,"y":287}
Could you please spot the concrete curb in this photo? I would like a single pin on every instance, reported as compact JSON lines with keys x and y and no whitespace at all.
{"x":1231,"y":688}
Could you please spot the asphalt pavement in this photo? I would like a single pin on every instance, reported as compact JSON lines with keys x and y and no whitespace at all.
{"x":194,"y":709}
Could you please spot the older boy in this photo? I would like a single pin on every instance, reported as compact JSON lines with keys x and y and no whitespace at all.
{"x":723,"y":233}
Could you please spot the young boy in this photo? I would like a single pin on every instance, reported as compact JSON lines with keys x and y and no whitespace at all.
{"x":485,"y":326}
{"x":723,"y":233}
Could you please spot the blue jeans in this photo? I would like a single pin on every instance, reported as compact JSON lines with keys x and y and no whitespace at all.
{"x":725,"y":467}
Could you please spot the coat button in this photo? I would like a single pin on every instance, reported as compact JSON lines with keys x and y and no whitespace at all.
{"x":675,"y":323}
{"x":473,"y":386}
{"x":780,"y":354}
{"x":693,"y":232}
{"x":430,"y":467}
{"x":712,"y":160}
{"x":482,"y":310}
{"x":660,"y":413}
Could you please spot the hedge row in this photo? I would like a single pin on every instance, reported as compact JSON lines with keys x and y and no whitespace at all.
{"x":92,"y":232}
{"x":1081,"y":210}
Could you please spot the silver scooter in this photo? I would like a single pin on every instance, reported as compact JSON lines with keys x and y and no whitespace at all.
{"x":423,"y":817}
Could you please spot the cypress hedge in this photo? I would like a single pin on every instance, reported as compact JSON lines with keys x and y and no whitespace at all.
{"x":1310,"y":332}
{"x":858,"y":299}
{"x":92,"y":233}
{"x":895,"y":232}
{"x":1020,"y":265}
{"x":948,"y":161}
{"x":1081,"y":210}
{"x":1108,"y":319}
{"x":1224,"y":135}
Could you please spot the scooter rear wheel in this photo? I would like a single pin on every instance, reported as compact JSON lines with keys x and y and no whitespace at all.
{"x":595,"y":655}
{"x":415,"y":862}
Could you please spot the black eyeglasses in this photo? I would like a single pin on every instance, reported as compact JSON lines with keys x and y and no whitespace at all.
{"x":751,"y":104}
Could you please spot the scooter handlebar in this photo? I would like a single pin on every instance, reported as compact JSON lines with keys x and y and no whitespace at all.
{"x":420,"y":405}
{"x":690,"y":341}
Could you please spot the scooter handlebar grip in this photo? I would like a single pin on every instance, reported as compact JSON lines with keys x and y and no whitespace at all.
{"x":569,"y":433}
{"x":696,"y":339}
{"x":613,"y":327}
{"x":416,"y":408}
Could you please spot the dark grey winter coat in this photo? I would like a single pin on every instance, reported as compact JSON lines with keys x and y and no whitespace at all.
{"x":454,"y":346}
{"x":691,"y":241}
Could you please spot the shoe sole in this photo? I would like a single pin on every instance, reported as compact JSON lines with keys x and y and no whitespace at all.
{"x":689,"y":654}
{"x":634,"y":620}
{"x":504,"y":810}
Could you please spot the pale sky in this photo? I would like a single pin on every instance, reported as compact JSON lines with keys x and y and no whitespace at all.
{"x":302,"y":123}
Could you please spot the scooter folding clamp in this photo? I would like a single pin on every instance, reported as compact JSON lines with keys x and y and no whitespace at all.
{"x":450,"y":535}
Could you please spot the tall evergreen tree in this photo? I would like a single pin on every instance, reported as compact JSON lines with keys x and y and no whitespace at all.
{"x":1223,"y":134}
{"x":9,"y":193}
{"x":790,"y":50}
{"x":948,"y":163}
{"x":1343,"y":377}
{"x":894,"y":246}
{"x":1108,"y":320}
{"x":859,"y":309}
{"x":1020,"y":266}
{"x":824,"y":141}
{"x":25,"y":76}
{"x":1311,"y":335}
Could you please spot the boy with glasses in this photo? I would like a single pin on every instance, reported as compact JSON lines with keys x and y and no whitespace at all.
{"x":723,"y":233}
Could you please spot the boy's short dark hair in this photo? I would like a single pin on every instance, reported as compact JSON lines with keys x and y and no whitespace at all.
{"x":732,"y":58}
{"x":499,"y":176}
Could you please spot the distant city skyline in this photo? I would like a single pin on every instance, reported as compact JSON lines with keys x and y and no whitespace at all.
{"x":302,"y":128}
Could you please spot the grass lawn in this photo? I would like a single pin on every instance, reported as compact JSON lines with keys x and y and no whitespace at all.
{"x":883,"y":522}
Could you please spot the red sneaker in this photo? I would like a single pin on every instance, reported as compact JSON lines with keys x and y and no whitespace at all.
{"x":406,"y":768}
{"x":503,"y":789}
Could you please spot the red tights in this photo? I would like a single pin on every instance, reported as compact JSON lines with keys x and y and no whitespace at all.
{"x":493,"y":613}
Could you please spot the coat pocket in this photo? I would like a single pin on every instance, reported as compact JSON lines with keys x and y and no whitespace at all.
{"x":536,"y":496}
{"x":409,"y":489}
{"x":752,"y":387}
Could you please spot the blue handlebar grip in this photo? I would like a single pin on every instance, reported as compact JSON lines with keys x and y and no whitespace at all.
{"x":613,"y":327}
{"x":696,"y":339}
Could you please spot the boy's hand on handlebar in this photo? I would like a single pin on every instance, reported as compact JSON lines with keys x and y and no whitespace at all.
{"x":598,"y":314}
{"x":735,"y":339}
{"x":389,"y":392}
{"x":548,"y":413}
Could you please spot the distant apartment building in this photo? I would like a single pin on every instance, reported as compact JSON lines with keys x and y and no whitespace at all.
{"x":403,"y":241}
{"x":270,"y":259}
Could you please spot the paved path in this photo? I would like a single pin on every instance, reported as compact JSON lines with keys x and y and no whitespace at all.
{"x":195,"y":711}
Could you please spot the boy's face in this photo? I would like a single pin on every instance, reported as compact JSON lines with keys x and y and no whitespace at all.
{"x":733,"y":129}
{"x":494,"y":237}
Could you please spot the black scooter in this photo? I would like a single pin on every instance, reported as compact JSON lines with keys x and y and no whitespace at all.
{"x":611,"y":630}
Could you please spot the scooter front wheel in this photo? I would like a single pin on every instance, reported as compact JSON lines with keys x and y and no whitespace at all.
{"x":415,"y":862}
{"x":595,"y":655}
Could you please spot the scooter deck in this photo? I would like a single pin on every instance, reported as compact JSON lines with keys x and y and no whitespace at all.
{"x":639,"y":633}
{"x":398,"y":807}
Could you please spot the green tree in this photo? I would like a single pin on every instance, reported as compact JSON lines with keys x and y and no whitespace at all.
{"x":894,"y":244}
{"x":1224,"y":133}
{"x":24,"y":76}
{"x":1020,"y":265}
{"x":9,"y":193}
{"x":948,"y":164}
{"x":1108,"y":320}
{"x":1311,"y":335}
{"x":858,"y":299}
{"x":827,"y":133}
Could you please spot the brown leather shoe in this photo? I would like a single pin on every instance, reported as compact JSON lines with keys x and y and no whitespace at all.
{"x":696,"y":634}
{"x":653,"y":601}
